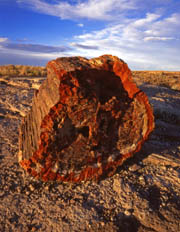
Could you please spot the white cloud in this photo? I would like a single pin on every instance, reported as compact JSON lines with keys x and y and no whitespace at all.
{"x":165,"y":27}
{"x":144,"y":43}
{"x":20,"y":53}
{"x":83,"y":46}
{"x":36,"y":47}
{"x":80,"y":25}
{"x":96,"y":9}
{"x":174,"y":18}
{"x":144,"y":21}
{"x":3,"y":39}
{"x":91,"y":9}
{"x":158,"y":38}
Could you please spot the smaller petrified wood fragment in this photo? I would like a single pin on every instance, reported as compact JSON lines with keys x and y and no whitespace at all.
{"x":86,"y":119}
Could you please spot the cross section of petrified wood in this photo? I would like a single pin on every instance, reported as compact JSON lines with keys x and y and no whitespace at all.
{"x":86,"y":119}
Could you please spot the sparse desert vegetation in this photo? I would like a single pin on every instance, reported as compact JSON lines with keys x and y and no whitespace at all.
{"x":162,"y":78}
{"x":22,"y":70}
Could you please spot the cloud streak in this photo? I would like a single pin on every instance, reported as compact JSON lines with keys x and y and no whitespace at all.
{"x":21,"y":53}
{"x":91,"y":9}
{"x":156,"y":38}
{"x":36,"y":48}
{"x":3,"y":39}
{"x":109,"y":10}
{"x":151,"y":41}
{"x":82,"y":46}
{"x":80,"y":25}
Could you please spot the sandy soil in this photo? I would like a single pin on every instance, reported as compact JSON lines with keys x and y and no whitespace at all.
{"x":143,"y":195}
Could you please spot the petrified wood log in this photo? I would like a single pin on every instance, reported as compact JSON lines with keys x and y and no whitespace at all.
{"x":86,"y":119}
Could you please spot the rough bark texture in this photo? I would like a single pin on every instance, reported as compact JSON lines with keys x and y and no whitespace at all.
{"x":86,"y":119}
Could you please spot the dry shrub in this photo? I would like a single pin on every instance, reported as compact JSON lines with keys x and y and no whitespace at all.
{"x":161,"y":78}
{"x":22,"y":70}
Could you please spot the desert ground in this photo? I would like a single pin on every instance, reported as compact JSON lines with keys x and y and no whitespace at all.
{"x":142,"y":196}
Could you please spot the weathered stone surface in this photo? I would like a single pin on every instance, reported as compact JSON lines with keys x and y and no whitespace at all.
{"x":86,"y":119}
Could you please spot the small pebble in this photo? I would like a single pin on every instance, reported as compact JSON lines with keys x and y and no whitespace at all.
{"x":18,"y":189}
{"x":46,"y":188}
{"x":134,"y":168}
{"x":102,"y":224}
{"x":142,"y":180}
{"x":127,"y":212}
{"x":163,"y":167}
{"x":72,"y":201}
{"x":31,"y":187}
{"x":33,"y":229}
{"x":27,"y":192}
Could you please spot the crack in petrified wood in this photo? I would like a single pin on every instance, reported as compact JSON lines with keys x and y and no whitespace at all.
{"x":86,"y":119}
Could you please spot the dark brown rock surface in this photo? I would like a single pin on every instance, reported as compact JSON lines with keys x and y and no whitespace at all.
{"x":86,"y":119}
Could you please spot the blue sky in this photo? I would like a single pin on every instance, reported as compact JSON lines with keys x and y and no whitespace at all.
{"x":144,"y":33}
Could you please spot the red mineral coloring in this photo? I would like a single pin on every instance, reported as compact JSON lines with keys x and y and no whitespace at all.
{"x":87,"y":118}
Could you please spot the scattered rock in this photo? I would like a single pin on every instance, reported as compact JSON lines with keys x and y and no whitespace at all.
{"x":128,"y":212}
{"x":102,"y":224}
{"x":117,"y":185}
{"x":134,"y":167}
{"x":31,"y":187}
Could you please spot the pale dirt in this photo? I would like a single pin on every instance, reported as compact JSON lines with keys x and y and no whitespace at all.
{"x":143,"y":195}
